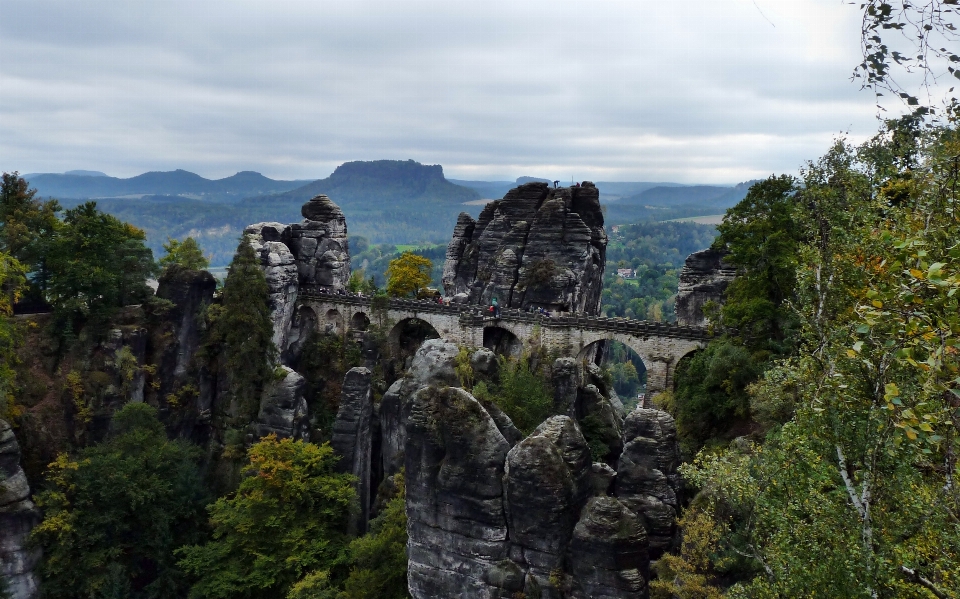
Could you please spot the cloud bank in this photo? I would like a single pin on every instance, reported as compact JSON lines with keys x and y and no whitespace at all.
{"x":693,"y":91}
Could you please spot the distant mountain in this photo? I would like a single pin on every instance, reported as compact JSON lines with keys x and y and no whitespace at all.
{"x":86,"y":173}
{"x":380,"y":184}
{"x":74,"y":185}
{"x":672,"y":196}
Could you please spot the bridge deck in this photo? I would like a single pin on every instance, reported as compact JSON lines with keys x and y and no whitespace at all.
{"x":477,"y":315}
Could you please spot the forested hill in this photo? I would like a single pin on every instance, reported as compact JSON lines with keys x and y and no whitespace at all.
{"x":79,"y":185}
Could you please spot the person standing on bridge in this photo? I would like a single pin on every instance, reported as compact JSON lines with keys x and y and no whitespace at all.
{"x":496,"y":308}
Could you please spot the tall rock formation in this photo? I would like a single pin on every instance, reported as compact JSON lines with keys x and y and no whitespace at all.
{"x":353,"y":439}
{"x":703,"y":278}
{"x":18,"y":517}
{"x":537,"y":247}
{"x":312,"y":255}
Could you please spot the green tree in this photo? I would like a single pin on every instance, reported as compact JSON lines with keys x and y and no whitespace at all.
{"x":27,"y":228}
{"x":114,"y":514}
{"x":241,"y":332}
{"x":12,"y":283}
{"x":287,"y":519}
{"x":186,"y":253}
{"x":408,"y":274}
{"x":522,"y":393}
{"x":97,"y":264}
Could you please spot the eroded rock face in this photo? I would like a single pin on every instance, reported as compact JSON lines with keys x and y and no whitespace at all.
{"x":312,"y":255}
{"x":608,"y":554}
{"x":353,"y":439}
{"x":280,"y":270}
{"x":188,"y":290}
{"x":547,"y":482}
{"x":457,"y":528}
{"x":647,"y":479}
{"x":538,"y":246}
{"x":18,"y":517}
{"x":283,"y":408}
{"x":319,"y":244}
{"x":703,"y":278}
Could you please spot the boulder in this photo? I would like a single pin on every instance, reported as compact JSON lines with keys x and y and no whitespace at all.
{"x":566,"y":379}
{"x":18,"y":517}
{"x":283,"y":408}
{"x":352,"y":439}
{"x":647,"y":479}
{"x":435,"y":363}
{"x":703,"y":278}
{"x":537,"y":247}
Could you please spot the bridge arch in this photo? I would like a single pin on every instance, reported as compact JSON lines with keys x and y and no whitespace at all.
{"x":409,"y":333}
{"x":502,"y":341}
{"x":660,"y":355}
{"x":359,"y":321}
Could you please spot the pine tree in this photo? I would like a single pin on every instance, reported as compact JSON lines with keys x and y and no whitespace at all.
{"x":244,"y":329}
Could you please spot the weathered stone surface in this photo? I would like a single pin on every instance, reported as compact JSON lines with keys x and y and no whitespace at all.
{"x":435,"y":363}
{"x":647,"y":478}
{"x":319,"y":244}
{"x":703,"y":278}
{"x":537,"y":247}
{"x":608,"y":554}
{"x":280,"y":270}
{"x":600,"y":416}
{"x":188,"y":289}
{"x":457,"y":529}
{"x":547,"y":482}
{"x":18,"y":517}
{"x":352,"y":439}
{"x":565,"y":377}
{"x":283,"y":408}
{"x":484,"y":364}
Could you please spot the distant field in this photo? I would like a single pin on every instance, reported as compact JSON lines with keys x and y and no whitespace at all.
{"x":712,"y":219}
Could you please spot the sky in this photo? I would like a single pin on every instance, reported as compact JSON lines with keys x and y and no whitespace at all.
{"x":699,"y":91}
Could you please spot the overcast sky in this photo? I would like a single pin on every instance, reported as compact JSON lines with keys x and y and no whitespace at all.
{"x":691,"y":91}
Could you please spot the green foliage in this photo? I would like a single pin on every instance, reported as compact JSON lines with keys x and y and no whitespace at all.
{"x":114,"y":515}
{"x":762,"y":238}
{"x":464,"y":368}
{"x":96,"y":264}
{"x":523,"y":394}
{"x":186,"y":253}
{"x":243,"y":328}
{"x":288,"y":518}
{"x":855,"y":496}
{"x":688,"y":575}
{"x":408,"y":274}
{"x":323,"y":362}
{"x":711,"y":396}
{"x":379,"y":558}
{"x":358,"y":283}
{"x":12,"y":282}
{"x":27,"y":227}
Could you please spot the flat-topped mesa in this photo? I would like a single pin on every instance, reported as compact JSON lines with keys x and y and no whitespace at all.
{"x":538,"y":247}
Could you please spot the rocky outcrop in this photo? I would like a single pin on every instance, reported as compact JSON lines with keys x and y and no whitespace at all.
{"x":548,"y":479}
{"x":280,"y":270}
{"x":608,"y":554}
{"x":18,"y":517}
{"x":703,"y":278}
{"x":353,"y":439}
{"x":319,"y":245}
{"x":188,"y":290}
{"x":311,"y":255}
{"x":647,"y":479}
{"x":283,"y":408}
{"x":456,"y":524}
{"x":537,"y":247}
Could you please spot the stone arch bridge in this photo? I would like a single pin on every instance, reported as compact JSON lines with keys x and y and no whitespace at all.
{"x":659,"y":345}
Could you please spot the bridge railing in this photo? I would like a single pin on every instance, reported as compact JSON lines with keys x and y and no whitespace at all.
{"x":480,"y":315}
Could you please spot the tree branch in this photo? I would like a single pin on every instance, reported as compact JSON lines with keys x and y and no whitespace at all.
{"x":914,"y":576}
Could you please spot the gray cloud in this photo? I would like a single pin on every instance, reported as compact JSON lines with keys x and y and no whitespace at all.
{"x":701,"y":90}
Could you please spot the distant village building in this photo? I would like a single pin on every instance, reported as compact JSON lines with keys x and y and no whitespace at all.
{"x":615,"y":228}
{"x":625,"y":273}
